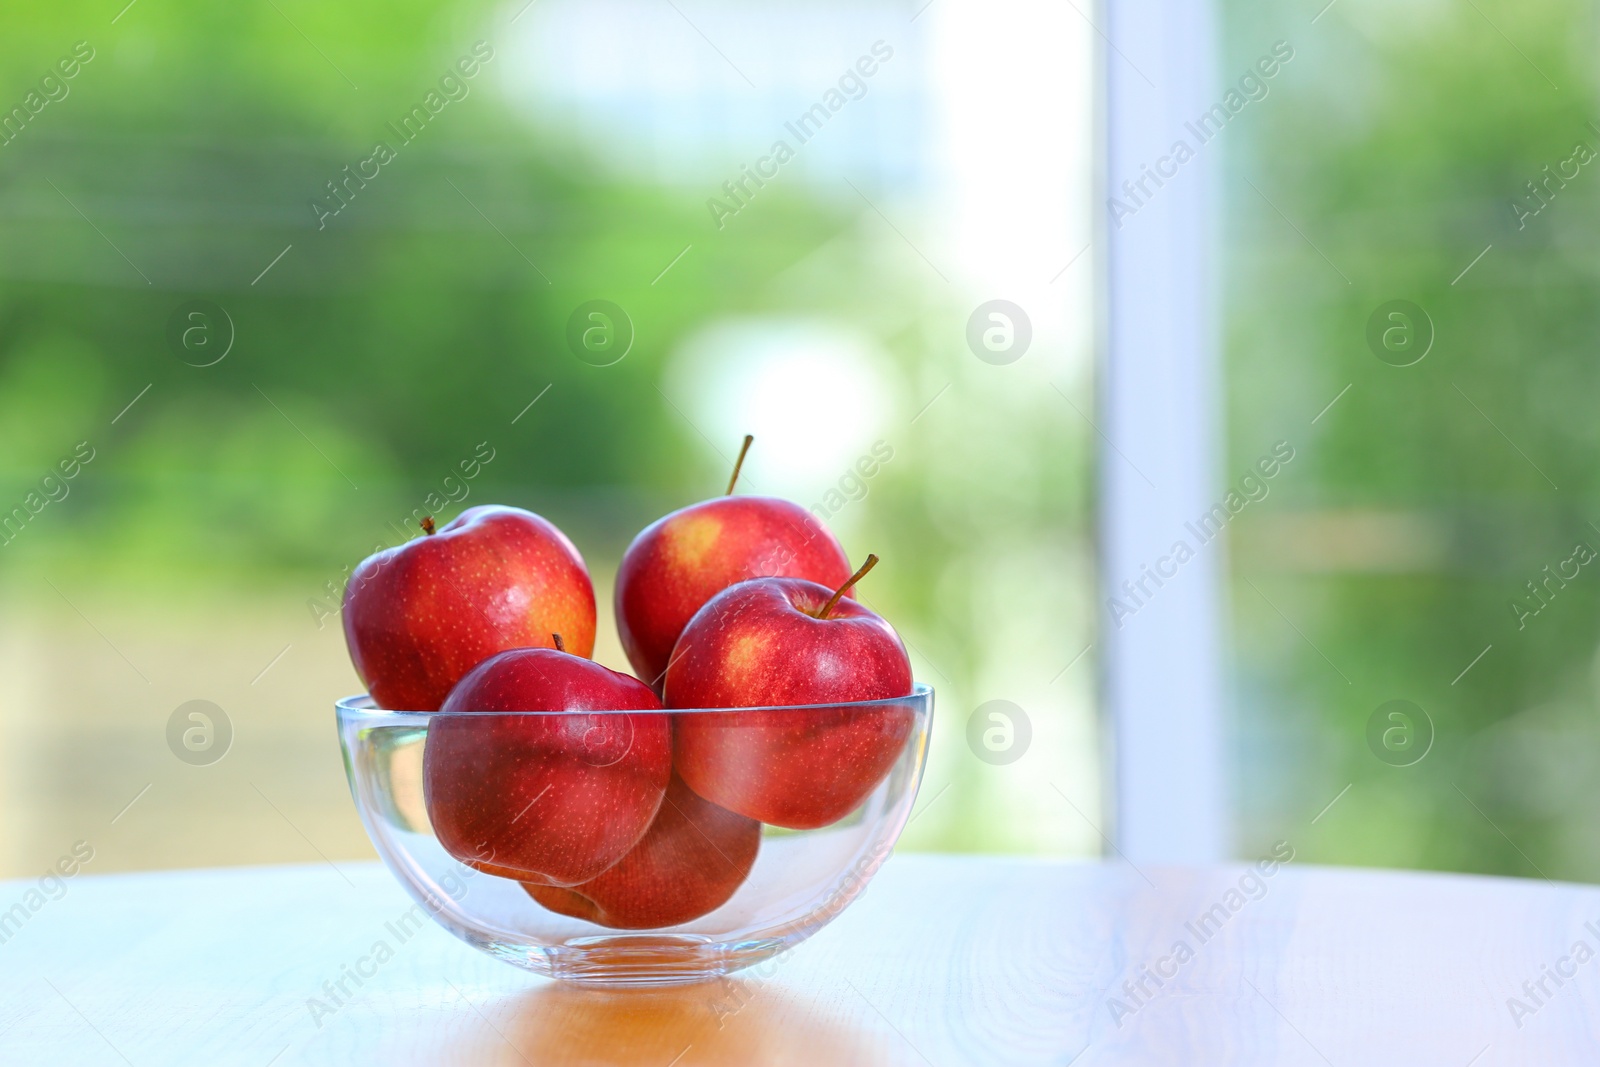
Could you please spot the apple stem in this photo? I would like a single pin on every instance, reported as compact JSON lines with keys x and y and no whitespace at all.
{"x":427,"y":525}
{"x":738,"y":463}
{"x":872,"y":561}
{"x":560,"y":645}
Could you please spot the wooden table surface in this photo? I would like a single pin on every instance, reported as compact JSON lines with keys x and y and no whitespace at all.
{"x":944,"y":961}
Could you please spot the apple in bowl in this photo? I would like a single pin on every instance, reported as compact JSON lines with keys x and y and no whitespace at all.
{"x":553,"y":798}
{"x":682,"y":560}
{"x":689,"y":863}
{"x":800,"y":654}
{"x":419,"y":616}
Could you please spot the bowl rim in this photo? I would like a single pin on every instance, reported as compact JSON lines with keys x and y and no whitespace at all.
{"x":360,"y":706}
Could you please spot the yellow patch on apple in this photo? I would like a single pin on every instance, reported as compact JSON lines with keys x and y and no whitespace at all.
{"x":691,"y":538}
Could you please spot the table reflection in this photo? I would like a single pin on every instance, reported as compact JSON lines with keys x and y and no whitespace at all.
{"x":727,"y":1021}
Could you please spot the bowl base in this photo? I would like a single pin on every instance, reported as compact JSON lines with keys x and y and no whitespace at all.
{"x":625,"y":961}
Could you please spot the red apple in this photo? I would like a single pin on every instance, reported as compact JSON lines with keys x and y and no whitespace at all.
{"x":553,"y":798}
{"x":419,"y":616}
{"x":772,"y":643}
{"x":690,"y":861}
{"x":682,"y":560}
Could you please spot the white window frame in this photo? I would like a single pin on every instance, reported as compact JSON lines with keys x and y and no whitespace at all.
{"x":1159,"y":393}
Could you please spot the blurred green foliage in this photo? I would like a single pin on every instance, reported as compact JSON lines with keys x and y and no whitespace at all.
{"x":393,"y":340}
{"x":1427,"y":499}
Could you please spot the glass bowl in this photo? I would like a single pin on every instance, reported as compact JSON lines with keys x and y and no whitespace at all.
{"x":799,"y":880}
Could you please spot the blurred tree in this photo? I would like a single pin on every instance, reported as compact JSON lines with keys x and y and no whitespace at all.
{"x":1398,"y":144}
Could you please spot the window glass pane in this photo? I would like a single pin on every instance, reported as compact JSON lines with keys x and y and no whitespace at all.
{"x":1410,"y":313}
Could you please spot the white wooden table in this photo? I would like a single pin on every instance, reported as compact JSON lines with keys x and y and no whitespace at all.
{"x":944,"y":961}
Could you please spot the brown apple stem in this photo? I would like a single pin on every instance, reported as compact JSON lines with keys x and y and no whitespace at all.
{"x":872,"y":561}
{"x":427,"y":525}
{"x":738,"y":463}
{"x":561,"y":645}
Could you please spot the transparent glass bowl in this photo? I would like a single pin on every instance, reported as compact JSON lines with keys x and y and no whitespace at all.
{"x":799,"y":881}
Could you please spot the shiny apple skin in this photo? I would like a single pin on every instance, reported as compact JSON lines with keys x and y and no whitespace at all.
{"x":545,"y":798}
{"x":759,"y":644}
{"x":693,"y":858}
{"x":419,"y":616}
{"x":682,"y":560}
